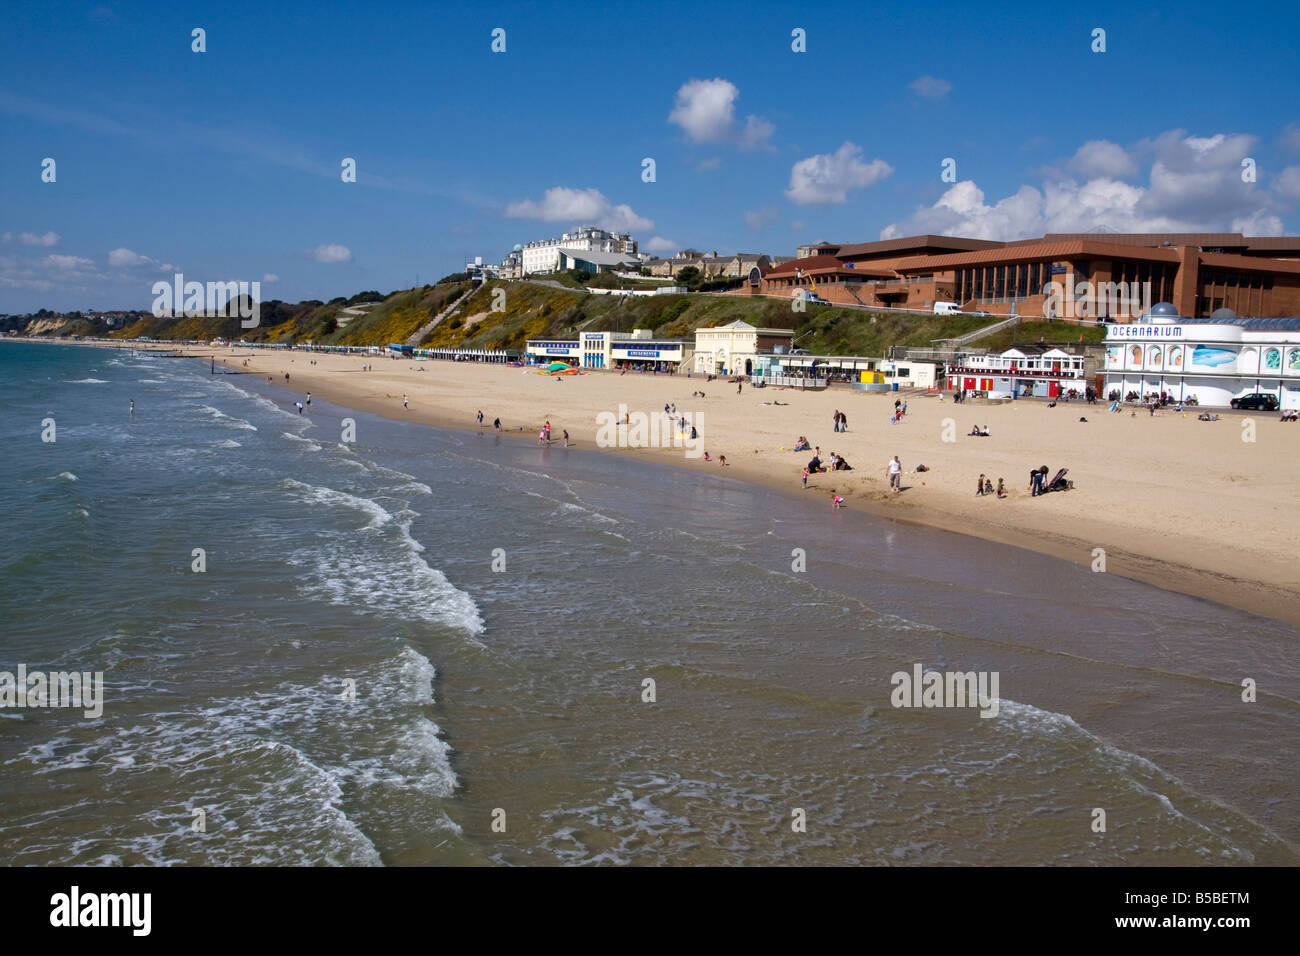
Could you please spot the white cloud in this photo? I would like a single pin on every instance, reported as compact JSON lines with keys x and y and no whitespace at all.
{"x":125,"y":258}
{"x":66,"y":263}
{"x":660,"y":244}
{"x":31,"y":239}
{"x":759,"y":219}
{"x":1194,"y":185}
{"x":561,"y":204}
{"x":1258,"y":225}
{"x":1100,"y":157}
{"x":706,"y":110}
{"x":1288,"y":183}
{"x":270,"y":277}
{"x":930,"y":87}
{"x":331,"y":253}
{"x":828,"y":177}
{"x":1290,"y":138}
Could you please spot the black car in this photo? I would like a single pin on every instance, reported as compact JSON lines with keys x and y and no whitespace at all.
{"x":1256,"y":400}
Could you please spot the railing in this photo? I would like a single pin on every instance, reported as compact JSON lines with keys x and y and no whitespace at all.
{"x":789,"y":381}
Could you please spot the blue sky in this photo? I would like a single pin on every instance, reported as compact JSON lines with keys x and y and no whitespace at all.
{"x":226,"y":164}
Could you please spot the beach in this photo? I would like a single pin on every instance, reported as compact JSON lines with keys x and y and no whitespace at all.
{"x":1179,"y":503}
{"x":352,"y":638}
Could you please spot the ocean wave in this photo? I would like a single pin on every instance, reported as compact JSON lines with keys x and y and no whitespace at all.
{"x":86,"y":381}
{"x":228,"y":443}
{"x":286,"y":776}
{"x":65,"y":475}
{"x":311,"y":445}
{"x":315,"y":493}
{"x":219,"y":416}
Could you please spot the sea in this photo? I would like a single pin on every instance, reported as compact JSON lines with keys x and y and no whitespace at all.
{"x":335,"y":639}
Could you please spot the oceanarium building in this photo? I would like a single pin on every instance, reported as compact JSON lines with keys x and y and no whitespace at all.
{"x":1211,"y":360}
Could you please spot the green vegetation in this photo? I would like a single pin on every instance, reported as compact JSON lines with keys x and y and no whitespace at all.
{"x":532,"y":310}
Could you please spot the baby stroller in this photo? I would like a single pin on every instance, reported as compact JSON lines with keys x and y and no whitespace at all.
{"x":1059,"y":483}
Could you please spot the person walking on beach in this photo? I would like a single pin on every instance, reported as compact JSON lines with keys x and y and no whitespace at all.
{"x":835,"y":420}
{"x":895,"y":475}
{"x":480,"y":416}
{"x":547,"y":429}
{"x":566,"y":438}
{"x":979,"y":486}
{"x":404,"y":402}
{"x":805,"y":478}
{"x":844,"y":422}
{"x":309,"y":399}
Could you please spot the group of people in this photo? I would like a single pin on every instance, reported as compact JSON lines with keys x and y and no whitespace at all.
{"x":900,"y":409}
{"x":984,"y":486}
{"x":1290,"y":415}
{"x":840,"y":421}
{"x":980,"y":432}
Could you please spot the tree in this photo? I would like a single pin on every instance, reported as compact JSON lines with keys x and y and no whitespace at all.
{"x":688,"y":276}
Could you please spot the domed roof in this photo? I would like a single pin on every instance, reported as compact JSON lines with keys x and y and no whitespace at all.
{"x":1223,"y":314}
{"x":1164,"y":310}
{"x":518,"y":248}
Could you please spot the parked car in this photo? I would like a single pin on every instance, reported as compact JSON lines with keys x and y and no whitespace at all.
{"x":1256,"y":400}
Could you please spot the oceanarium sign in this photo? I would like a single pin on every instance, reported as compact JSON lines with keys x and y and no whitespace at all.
{"x":1144,"y":331}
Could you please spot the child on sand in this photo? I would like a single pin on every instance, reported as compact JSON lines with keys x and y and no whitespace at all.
{"x":836,"y":502}
{"x":1002,"y":488}
{"x":979,"y":486}
{"x":805,"y":478}
{"x":722,"y":459}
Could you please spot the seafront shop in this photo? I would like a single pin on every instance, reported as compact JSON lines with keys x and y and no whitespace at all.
{"x":611,"y":350}
{"x":1212,"y":361}
{"x":1021,"y":372}
{"x":781,"y":368}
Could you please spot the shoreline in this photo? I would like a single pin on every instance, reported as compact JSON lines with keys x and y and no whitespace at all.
{"x":1158,"y":557}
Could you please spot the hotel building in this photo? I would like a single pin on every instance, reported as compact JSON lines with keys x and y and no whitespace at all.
{"x":544,"y":255}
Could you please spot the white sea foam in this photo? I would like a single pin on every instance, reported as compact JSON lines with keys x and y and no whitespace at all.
{"x":314,"y":493}
{"x":229,"y":420}
{"x":66,"y":476}
{"x":311,"y":445}
{"x":87,"y":381}
{"x":228,"y":443}
{"x":305,"y":752}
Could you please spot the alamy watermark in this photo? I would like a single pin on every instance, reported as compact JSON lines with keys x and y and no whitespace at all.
{"x":227,"y":299}
{"x":1092,"y":300}
{"x":34,"y":689}
{"x":922,"y":688}
{"x":653,"y":430}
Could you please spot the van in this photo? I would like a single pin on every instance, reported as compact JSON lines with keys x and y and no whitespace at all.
{"x":946,"y":308}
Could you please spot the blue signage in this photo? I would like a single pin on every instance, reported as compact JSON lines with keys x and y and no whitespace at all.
{"x":642,"y":353}
{"x":558,"y":351}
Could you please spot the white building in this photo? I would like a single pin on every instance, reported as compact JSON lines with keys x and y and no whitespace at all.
{"x":1213,"y":361}
{"x":731,"y":349}
{"x":609,"y":350}
{"x":544,"y":255}
{"x":1021,"y":371}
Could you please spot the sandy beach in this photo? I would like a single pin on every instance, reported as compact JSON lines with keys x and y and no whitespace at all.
{"x":1179,"y":503}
